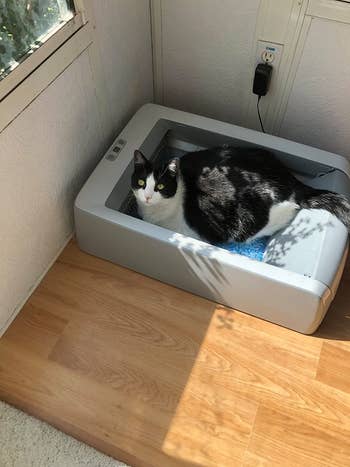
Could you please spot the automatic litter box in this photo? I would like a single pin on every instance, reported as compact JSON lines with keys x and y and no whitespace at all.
{"x":302,"y":266}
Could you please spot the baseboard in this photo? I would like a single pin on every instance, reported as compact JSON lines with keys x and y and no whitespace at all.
{"x":20,"y":305}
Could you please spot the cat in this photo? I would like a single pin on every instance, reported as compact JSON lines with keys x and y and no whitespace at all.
{"x":226,"y":194}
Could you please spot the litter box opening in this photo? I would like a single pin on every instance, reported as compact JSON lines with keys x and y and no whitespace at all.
{"x":169,"y":139}
{"x":302,"y":247}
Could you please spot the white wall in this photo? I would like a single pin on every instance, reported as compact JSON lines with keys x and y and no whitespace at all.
{"x":318,"y":110}
{"x":47,"y":152}
{"x":205,"y":57}
{"x":206,"y":53}
{"x":124,"y":40}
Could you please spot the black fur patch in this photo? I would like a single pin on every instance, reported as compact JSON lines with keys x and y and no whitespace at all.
{"x":166,"y":175}
{"x":142,"y":169}
{"x":229,"y":192}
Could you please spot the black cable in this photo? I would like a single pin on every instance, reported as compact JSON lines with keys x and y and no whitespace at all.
{"x":260,"y":119}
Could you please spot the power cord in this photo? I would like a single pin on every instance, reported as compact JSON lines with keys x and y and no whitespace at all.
{"x":260,"y":119}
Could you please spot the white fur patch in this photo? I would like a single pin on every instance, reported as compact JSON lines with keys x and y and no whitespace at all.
{"x":147,"y":195}
{"x":172,"y":167}
{"x":280,"y":216}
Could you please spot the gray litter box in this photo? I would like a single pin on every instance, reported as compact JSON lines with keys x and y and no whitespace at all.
{"x":302,"y":266}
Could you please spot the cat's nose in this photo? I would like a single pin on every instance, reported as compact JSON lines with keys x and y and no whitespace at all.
{"x":148,"y":198}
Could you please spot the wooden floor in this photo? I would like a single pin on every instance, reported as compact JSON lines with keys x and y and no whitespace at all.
{"x":155,"y":376}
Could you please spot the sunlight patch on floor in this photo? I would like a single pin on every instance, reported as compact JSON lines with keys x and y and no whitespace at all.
{"x":207,"y":415}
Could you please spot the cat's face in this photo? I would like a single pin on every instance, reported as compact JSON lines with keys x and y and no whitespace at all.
{"x":153,"y":185}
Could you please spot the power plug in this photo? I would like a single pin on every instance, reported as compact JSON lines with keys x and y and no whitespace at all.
{"x":262,"y":78}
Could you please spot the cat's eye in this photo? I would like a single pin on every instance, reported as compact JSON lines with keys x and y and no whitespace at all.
{"x":141,"y":182}
{"x":160,"y":186}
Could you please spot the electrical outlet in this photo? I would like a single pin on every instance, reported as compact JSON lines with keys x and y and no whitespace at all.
{"x":268,"y":52}
{"x":271,"y":53}
{"x":268,"y":56}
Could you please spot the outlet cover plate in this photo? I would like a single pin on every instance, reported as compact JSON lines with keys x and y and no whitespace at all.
{"x":275,"y":49}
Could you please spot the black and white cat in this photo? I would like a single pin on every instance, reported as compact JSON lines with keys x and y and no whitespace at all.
{"x":226,"y":194}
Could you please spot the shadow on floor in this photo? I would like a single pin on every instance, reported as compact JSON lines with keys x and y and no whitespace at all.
{"x":117,"y":360}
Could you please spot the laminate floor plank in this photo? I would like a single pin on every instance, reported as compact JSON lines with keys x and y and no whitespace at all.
{"x":156,"y":376}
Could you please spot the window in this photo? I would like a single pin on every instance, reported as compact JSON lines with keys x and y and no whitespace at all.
{"x":30,"y":31}
{"x":38,"y":40}
{"x":26,"y":25}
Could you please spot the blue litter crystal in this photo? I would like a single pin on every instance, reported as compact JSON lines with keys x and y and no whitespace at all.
{"x":254,"y":249}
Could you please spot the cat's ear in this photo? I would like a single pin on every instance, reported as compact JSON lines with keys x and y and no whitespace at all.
{"x":173,"y":167}
{"x":139,"y":158}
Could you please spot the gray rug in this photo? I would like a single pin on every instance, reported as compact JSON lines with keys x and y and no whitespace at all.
{"x":28,"y":442}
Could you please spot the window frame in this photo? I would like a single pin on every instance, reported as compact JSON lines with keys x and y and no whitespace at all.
{"x":25,"y":82}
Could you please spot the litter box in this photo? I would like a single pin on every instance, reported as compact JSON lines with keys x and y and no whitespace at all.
{"x":296,"y":281}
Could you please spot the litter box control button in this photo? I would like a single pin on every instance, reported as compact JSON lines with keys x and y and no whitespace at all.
{"x":121,"y":142}
{"x":111,"y":157}
{"x":116,"y":149}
